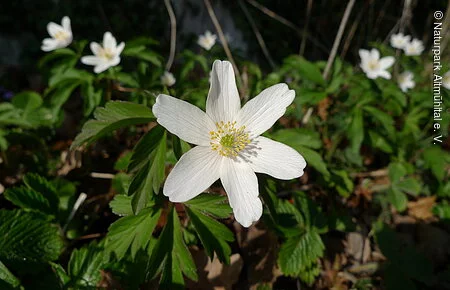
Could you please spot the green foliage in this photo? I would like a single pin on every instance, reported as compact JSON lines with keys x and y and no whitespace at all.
{"x":171,"y":257}
{"x":28,"y":237}
{"x":113,"y":116}
{"x":7,"y":279}
{"x":131,"y":233}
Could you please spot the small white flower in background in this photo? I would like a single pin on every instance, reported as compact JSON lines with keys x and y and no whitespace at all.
{"x":373,"y":66}
{"x":399,"y":40}
{"x":106,"y":55}
{"x":229,"y":145}
{"x":207,"y":40}
{"x":414,"y":47}
{"x":406,"y":81}
{"x":446,"y":80}
{"x":61,"y":35}
{"x":167,"y":79}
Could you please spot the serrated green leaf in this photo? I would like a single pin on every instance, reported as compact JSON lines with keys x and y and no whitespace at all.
{"x":397,"y":198}
{"x":27,"y":198}
{"x":409,"y":185}
{"x":43,"y":186}
{"x":213,"y":235}
{"x":121,"y":183}
{"x":436,"y":159}
{"x":213,"y":204}
{"x":114,"y":115}
{"x":85,"y":266}
{"x":29,"y":236}
{"x":121,"y":205}
{"x":396,"y":171}
{"x":300,"y":252}
{"x":131,"y":232}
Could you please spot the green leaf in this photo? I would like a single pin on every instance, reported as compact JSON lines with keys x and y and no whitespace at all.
{"x":131,"y":232}
{"x":121,"y":205}
{"x":29,"y":236}
{"x":43,"y":186}
{"x":143,"y":54}
{"x":436,"y":159}
{"x":172,"y":256}
{"x":85,"y":266}
{"x":396,"y":171}
{"x":356,"y":130}
{"x":213,"y":204}
{"x":306,"y":69}
{"x":28,"y":101}
{"x":409,"y":185}
{"x":342,"y":182}
{"x":149,"y":178}
{"x":114,"y":115}
{"x":7,"y":277}
{"x":380,"y":142}
{"x":213,"y":235}
{"x":384,"y":118}
{"x":397,"y":198}
{"x":300,"y":252}
{"x":298,"y":137}
{"x":28,"y":199}
{"x":144,"y":148}
{"x":314,"y":159}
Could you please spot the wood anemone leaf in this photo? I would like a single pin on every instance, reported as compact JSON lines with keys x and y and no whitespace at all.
{"x":131,"y":233}
{"x":171,"y":257}
{"x":115,"y":115}
{"x":213,"y":235}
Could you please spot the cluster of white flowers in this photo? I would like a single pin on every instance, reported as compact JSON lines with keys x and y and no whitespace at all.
{"x":409,"y":46}
{"x":105,"y":56}
{"x":374,"y":66}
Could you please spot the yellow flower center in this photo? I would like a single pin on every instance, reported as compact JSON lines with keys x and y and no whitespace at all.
{"x":373,"y":65}
{"x":228,"y":140}
{"x":106,"y":53}
{"x":61,"y":35}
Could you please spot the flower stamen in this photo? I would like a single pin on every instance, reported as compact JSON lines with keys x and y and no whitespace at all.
{"x":228,"y":140}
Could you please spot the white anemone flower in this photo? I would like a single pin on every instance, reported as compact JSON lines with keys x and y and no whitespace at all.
{"x":400,"y":40}
{"x":406,"y":81}
{"x":446,"y":80}
{"x":229,"y":145}
{"x":61,"y":35}
{"x":414,"y":47}
{"x":207,"y":40}
{"x":373,"y":66}
{"x":167,"y":79}
{"x":106,"y":55}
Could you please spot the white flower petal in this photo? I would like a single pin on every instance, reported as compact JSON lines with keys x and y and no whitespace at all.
{"x":109,"y":41}
{"x":223,"y":101}
{"x":196,"y":170}
{"x":101,"y":67}
{"x":261,"y":112}
{"x":91,"y":60}
{"x":274,"y":158}
{"x":96,"y":48}
{"x":66,"y":24}
{"x":384,"y":74}
{"x":49,"y":44}
{"x":386,"y":62}
{"x":54,"y":28}
{"x":183,"y":119}
{"x":374,"y":54}
{"x":364,"y":55}
{"x":120,"y":48}
{"x":241,"y":185}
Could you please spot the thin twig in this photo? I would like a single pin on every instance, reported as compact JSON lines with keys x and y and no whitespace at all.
{"x":305,"y":28}
{"x":288,"y":23}
{"x":102,"y":175}
{"x":81,"y":198}
{"x":258,"y":35}
{"x":173,"y":34}
{"x":377,"y":173}
{"x":337,"y":40}
{"x":224,"y":41}
{"x":351,"y":33}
